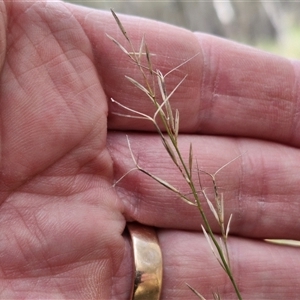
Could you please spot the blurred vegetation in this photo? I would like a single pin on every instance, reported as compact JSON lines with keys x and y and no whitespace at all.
{"x":289,"y":47}
{"x":270,"y":25}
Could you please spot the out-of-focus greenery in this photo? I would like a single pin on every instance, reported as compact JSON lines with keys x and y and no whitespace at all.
{"x":289,"y":46}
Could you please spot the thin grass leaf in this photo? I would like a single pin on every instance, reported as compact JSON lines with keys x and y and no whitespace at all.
{"x":228,"y":226}
{"x":221,"y":209}
{"x":159,"y":180}
{"x":169,"y":149}
{"x":120,"y":25}
{"x":119,"y":45}
{"x":165,"y":97}
{"x":167,"y":185}
{"x":208,"y":239}
{"x":216,"y":296}
{"x":141,"y":115}
{"x":170,"y":115}
{"x":213,"y":248}
{"x":129,"y":116}
{"x":216,"y":191}
{"x":211,"y":206}
{"x":165,"y":101}
{"x":180,"y":65}
{"x":188,"y":201}
{"x":177,"y":86}
{"x":191,"y":160}
{"x":198,"y":175}
{"x":223,"y":248}
{"x":161,"y":112}
{"x":224,"y":166}
{"x":223,"y":245}
{"x":123,"y":176}
{"x":177,"y":126}
{"x":195,"y":292}
{"x":148,"y":59}
{"x":142,"y":46}
{"x":161,"y":84}
{"x":138,"y":85}
{"x":131,"y":153}
{"x":150,"y":69}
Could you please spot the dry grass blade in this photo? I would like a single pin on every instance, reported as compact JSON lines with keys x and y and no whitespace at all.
{"x":169,"y":150}
{"x":142,"y":46}
{"x":131,"y":153}
{"x":191,"y":160}
{"x":128,"y":116}
{"x":148,"y":59}
{"x":120,"y":25}
{"x":221,"y":209}
{"x":161,"y":112}
{"x":208,"y":239}
{"x":231,"y":161}
{"x":212,"y":246}
{"x":169,"y":109}
{"x":161,"y":84}
{"x":139,"y":114}
{"x":177,"y":86}
{"x":173,"y":123}
{"x":188,"y":201}
{"x":228,"y":226}
{"x":166,"y":185}
{"x":119,"y":45}
{"x":139,"y":86}
{"x":224,"y":249}
{"x":159,"y":180}
{"x":176,"y":124}
{"x":211,"y":207}
{"x":182,"y":64}
{"x":195,"y":292}
{"x":216,"y":296}
{"x":125,"y":175}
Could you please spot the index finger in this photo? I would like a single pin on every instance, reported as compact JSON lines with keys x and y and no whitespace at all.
{"x":231,"y":89}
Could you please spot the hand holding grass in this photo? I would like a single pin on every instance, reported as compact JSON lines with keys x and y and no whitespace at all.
{"x":61,"y":222}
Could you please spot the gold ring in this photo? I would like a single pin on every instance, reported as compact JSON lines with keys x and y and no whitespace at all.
{"x":147,"y":263}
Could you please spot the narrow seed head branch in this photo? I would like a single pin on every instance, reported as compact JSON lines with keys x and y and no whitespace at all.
{"x":169,"y":133}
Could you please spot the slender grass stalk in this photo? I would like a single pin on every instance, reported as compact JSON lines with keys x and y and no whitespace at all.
{"x":169,"y":138}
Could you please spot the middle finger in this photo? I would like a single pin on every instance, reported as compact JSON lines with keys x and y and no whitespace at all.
{"x":260,"y":187}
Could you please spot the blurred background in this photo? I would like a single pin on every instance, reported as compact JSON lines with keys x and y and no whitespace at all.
{"x":270,"y":25}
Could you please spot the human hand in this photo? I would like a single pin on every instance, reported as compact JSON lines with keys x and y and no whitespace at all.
{"x":62,"y":221}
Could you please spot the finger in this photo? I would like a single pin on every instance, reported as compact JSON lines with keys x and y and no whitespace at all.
{"x":247,"y":92}
{"x":231,"y":89}
{"x":261,"y":270}
{"x":260,"y":188}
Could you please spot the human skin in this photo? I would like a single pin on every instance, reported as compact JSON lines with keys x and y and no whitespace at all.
{"x":62,"y":149}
